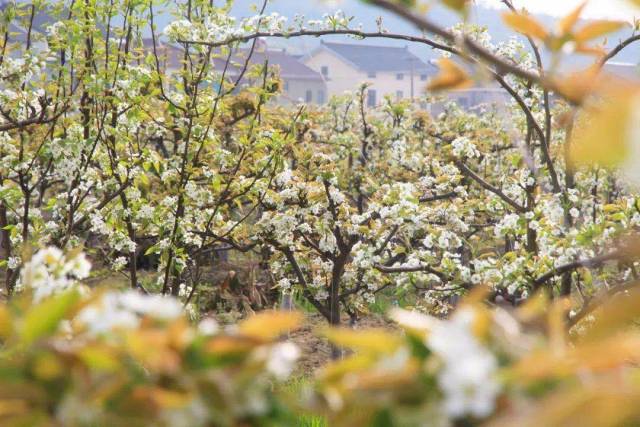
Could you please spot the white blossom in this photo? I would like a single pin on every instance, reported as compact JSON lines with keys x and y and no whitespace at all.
{"x":50,"y":272}
{"x":467,"y":377}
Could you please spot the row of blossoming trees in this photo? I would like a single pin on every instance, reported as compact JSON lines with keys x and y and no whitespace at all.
{"x":102,"y":147}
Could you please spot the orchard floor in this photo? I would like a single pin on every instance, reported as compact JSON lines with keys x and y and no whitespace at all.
{"x":315,"y":351}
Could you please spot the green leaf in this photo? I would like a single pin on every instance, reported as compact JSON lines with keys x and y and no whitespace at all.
{"x":43,"y":319}
{"x":152,"y":250}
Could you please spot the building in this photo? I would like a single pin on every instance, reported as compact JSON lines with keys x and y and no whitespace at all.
{"x":475,"y":97}
{"x":391,"y":71}
{"x":170,"y":57}
{"x":495,"y":96}
{"x":300,"y":83}
{"x":624,"y":70}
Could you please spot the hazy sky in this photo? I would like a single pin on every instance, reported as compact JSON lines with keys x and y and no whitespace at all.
{"x":611,"y":9}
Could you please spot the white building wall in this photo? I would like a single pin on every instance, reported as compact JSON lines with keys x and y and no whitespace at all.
{"x":295,"y":91}
{"x":388,"y":84}
{"x":343,"y":76}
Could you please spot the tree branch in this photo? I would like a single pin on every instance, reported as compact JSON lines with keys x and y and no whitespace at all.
{"x":588,"y":263}
{"x":495,"y":190}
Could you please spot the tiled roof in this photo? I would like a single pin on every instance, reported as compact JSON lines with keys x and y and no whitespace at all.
{"x":169,"y":55}
{"x":44,"y":16}
{"x":370,"y":58}
{"x":290,"y":67}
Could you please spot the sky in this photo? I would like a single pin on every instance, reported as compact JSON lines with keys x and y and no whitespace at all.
{"x":596,"y":9}
{"x":367,"y":14}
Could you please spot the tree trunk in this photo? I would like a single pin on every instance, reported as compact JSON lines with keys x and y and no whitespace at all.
{"x":5,"y":247}
{"x":334,"y":301}
{"x":334,"y":321}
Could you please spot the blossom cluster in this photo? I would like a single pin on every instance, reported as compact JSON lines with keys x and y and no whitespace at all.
{"x":221,"y":27}
{"x":50,"y":271}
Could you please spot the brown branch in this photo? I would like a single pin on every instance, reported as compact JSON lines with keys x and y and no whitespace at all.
{"x":597,"y":302}
{"x":619,"y":48}
{"x":466,"y":44}
{"x":319,"y":33}
{"x":544,"y":143}
{"x":303,"y":282}
{"x":484,"y":184}
{"x":438,"y":197}
{"x":587,"y":263}
{"x":412,"y":269}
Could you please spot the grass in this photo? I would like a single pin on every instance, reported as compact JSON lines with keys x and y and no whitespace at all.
{"x":311,"y":421}
{"x":295,"y":388}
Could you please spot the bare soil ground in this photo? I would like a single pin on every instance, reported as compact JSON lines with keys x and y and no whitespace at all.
{"x":315,"y":350}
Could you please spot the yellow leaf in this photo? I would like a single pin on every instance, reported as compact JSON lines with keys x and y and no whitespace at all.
{"x":603,"y":133}
{"x":590,"y":50}
{"x":162,"y":398}
{"x":335,"y":371}
{"x":269,"y":325}
{"x":451,"y":76}
{"x":151,"y":349}
{"x":556,"y":323}
{"x":477,"y":295}
{"x":568,"y":22}
{"x":99,"y":358}
{"x":482,"y":322}
{"x":372,"y":380}
{"x":615,"y":314}
{"x":533,"y":308}
{"x":6,"y":322}
{"x":457,"y":5}
{"x":372,"y":340}
{"x":611,"y":208}
{"x":12,"y":407}
{"x":229,"y":346}
{"x":593,"y":356}
{"x":604,"y":402}
{"x":597,"y":29}
{"x":608,"y":353}
{"x":46,"y":367}
{"x":525,"y":24}
{"x":577,"y":86}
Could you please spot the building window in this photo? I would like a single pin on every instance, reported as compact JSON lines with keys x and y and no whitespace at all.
{"x":371,"y":74}
{"x":399,"y":95}
{"x":286,"y":86}
{"x":324,"y":70}
{"x":371,"y":98}
{"x":399,"y":76}
{"x":321,"y":99}
{"x":309,"y":96}
{"x":423,"y":77}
